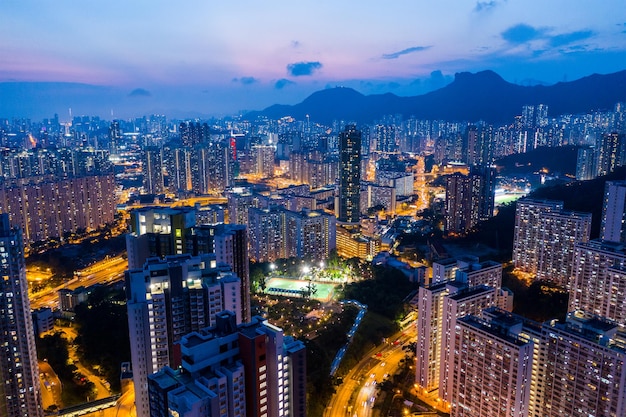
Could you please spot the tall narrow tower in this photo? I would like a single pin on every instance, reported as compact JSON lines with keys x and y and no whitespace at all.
{"x":20,"y":394}
{"x":348,"y":210}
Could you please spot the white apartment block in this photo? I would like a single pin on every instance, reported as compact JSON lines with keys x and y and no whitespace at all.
{"x":598,"y":279}
{"x":491,"y":371}
{"x":465,"y":302}
{"x":545,"y":237}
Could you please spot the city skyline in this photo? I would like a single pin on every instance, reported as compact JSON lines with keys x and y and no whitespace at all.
{"x":212,"y":59}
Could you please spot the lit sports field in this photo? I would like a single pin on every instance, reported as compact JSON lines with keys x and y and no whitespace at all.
{"x":324,"y":292}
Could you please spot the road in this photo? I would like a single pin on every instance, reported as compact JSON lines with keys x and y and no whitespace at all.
{"x":354,"y":396}
{"x":107,"y":271}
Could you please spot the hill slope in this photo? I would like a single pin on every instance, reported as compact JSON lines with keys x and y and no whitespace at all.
{"x":470,"y":97}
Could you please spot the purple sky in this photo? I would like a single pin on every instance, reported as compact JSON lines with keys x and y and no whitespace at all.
{"x":218,"y":57}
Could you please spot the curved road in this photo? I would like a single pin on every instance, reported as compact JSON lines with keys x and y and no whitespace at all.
{"x":357,"y":394}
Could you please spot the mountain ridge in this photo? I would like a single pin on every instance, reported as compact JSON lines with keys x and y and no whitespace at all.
{"x":470,"y":97}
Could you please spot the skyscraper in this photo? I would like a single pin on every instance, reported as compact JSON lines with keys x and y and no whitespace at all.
{"x":263,"y":156}
{"x":491,"y":370}
{"x":280,"y":233}
{"x":348,"y":210}
{"x":229,"y":243}
{"x":583,"y":367}
{"x":613,"y":227}
{"x":153,"y":170}
{"x":599,"y":279}
{"x":463,"y":202}
{"x":233,"y":371}
{"x":471,"y":300}
{"x":20,"y":394}
{"x":386,"y":139}
{"x":612,"y":152}
{"x":163,"y":231}
{"x":115,"y":137}
{"x":545,"y":237}
{"x":158,"y":231}
{"x":168,"y":299}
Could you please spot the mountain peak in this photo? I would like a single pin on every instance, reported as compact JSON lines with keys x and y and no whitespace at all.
{"x":487,"y":76}
{"x":470,"y":97}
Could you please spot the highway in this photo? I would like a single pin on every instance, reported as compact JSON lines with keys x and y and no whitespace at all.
{"x":106,"y":271}
{"x":356,"y":396}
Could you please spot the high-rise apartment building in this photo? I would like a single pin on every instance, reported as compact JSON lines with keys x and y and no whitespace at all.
{"x":386,"y":139}
{"x":613,"y":228}
{"x":480,"y":273}
{"x":491,"y":370}
{"x":192,"y":134}
{"x":583,"y":372}
{"x":229,"y":243}
{"x":504,"y":364}
{"x":240,"y":200}
{"x":115,"y":137}
{"x":168,"y":299}
{"x":178,"y":163}
{"x":480,"y":145}
{"x":211,"y":168}
{"x":348,"y":210}
{"x":20,"y":394}
{"x":471,"y":300}
{"x":429,"y":332}
{"x":310,"y":234}
{"x":598,"y":279}
{"x":266,"y":235}
{"x":158,"y":231}
{"x":263,"y":156}
{"x":459,"y":287}
{"x":233,"y":371}
{"x":612,"y":152}
{"x":586,"y":163}
{"x":45,"y":207}
{"x":280,"y":233}
{"x":153,"y":170}
{"x":162,"y":231}
{"x":544,"y":239}
{"x":469,"y":199}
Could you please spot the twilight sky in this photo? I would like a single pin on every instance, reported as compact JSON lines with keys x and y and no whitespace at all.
{"x":207,"y":57}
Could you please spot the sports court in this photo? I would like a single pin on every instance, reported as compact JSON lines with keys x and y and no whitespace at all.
{"x":292,"y":287}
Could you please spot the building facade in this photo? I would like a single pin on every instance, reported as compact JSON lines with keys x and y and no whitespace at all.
{"x":20,"y":389}
{"x":491,"y":368}
{"x":167,"y":299}
{"x":231,"y":371}
{"x":613,"y":227}
{"x":46,"y":207}
{"x":348,"y":210}
{"x":544,"y":239}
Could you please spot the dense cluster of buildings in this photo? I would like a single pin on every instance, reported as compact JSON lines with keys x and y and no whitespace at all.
{"x":476,"y":358}
{"x":309,"y":190}
{"x":51,"y":192}
{"x":195,"y":348}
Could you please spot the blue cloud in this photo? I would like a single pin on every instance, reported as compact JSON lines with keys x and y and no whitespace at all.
{"x":245,"y":80}
{"x":282,"y":83}
{"x":298,"y":69}
{"x":483,"y":6}
{"x":395,"y":55}
{"x":140,"y":92}
{"x":567,"y":38}
{"x":522,"y":33}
